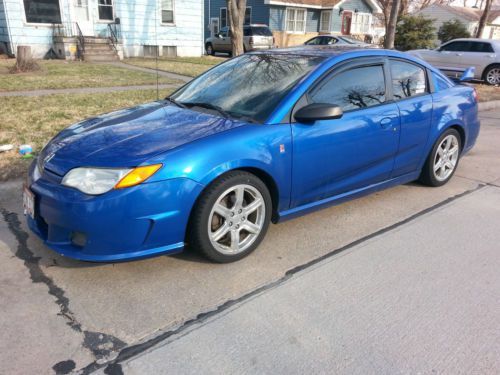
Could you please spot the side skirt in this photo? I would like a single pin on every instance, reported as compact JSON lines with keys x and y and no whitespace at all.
{"x":344,"y":197}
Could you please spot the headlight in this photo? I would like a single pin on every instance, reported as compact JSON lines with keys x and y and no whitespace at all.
{"x":96,"y":181}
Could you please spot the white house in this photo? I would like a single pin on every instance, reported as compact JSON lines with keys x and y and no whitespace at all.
{"x":469,"y":16}
{"x":131,"y":28}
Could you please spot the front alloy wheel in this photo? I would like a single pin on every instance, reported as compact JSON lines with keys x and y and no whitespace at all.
{"x":231,"y":217}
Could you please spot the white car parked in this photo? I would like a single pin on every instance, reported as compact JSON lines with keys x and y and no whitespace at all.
{"x":457,"y":55}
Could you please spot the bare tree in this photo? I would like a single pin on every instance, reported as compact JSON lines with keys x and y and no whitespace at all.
{"x":236,"y":14}
{"x":484,"y":18}
{"x":390,"y":29}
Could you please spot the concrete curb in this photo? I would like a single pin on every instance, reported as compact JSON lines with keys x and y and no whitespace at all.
{"x":486,"y":106}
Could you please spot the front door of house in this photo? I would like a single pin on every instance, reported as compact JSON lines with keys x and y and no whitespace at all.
{"x":346,"y":22}
{"x":83,"y":17}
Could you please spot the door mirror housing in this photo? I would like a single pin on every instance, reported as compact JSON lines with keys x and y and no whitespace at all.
{"x":318,"y":111}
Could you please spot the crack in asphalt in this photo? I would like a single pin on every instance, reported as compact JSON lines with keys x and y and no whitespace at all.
{"x":100,"y":344}
{"x":114,"y":366}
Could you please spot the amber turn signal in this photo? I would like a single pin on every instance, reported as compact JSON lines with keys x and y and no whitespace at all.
{"x":137,"y":176}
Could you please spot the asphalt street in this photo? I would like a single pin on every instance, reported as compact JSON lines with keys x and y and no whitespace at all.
{"x":402,"y":281}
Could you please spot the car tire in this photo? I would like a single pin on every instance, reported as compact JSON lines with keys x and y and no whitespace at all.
{"x":443,"y":159}
{"x":209,"y":48}
{"x":231,"y":217}
{"x":492,"y":75}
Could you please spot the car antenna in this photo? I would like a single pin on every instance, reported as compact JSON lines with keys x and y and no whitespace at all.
{"x":157,"y":52}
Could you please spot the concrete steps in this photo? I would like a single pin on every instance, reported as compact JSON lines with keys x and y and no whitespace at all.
{"x":99,"y":49}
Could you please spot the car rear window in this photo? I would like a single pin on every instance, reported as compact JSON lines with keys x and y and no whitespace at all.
{"x":257,"y":30}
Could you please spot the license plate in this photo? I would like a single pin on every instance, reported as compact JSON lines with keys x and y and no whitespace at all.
{"x":29,"y":202}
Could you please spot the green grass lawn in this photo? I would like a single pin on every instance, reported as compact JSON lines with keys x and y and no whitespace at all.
{"x":35,"y":120}
{"x":188,"y":66}
{"x":59,"y":74}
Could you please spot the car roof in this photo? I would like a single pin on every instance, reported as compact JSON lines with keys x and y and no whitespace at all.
{"x":329,"y":52}
{"x":321,"y":51}
{"x":475,"y":40}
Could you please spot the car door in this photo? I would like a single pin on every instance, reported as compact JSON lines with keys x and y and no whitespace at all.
{"x":449,"y":57}
{"x":410,"y":91}
{"x":331,"y":157}
{"x":479,"y":55}
{"x":223,"y":42}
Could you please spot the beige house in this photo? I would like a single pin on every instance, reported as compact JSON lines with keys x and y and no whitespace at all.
{"x":469,"y":16}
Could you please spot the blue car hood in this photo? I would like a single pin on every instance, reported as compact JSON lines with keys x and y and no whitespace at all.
{"x":128,"y":137}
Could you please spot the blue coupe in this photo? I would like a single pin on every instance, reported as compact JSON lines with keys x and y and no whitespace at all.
{"x":262,"y":137}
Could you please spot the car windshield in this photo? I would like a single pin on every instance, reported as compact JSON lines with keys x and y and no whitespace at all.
{"x":248,"y":87}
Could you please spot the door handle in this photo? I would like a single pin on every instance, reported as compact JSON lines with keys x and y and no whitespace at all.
{"x":385,"y":122}
{"x":459,"y":54}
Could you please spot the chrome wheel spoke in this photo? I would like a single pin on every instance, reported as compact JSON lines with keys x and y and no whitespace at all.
{"x":252,"y":206}
{"x":222,"y":211}
{"x":235,"y":240}
{"x":251,"y":227}
{"x":221,"y":232}
{"x":239,"y":193}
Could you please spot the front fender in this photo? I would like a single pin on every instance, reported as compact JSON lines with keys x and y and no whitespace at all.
{"x":267,"y":148}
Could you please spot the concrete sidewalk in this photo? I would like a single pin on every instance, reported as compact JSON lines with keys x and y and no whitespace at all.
{"x":398,"y":303}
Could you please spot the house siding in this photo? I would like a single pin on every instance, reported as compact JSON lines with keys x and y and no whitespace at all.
{"x":351,"y":5}
{"x":260,"y":12}
{"x":4,"y":36}
{"x":441,"y":15}
{"x":140,"y":25}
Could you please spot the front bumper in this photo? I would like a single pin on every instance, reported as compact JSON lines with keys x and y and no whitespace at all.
{"x":146,"y":220}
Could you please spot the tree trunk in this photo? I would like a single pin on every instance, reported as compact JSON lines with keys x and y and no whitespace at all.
{"x":390,"y":31}
{"x":484,"y":19}
{"x":236,"y":14}
{"x":23,"y":56}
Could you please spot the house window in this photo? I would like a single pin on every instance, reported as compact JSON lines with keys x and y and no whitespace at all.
{"x":248,"y":16}
{"x":295,"y":20}
{"x":361,"y":23}
{"x":324,"y":22}
{"x":223,"y":17}
{"x":42,"y":11}
{"x":167,"y":11}
{"x":105,"y":8}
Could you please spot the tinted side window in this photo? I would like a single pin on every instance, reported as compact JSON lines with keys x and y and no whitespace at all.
{"x":440,"y":83}
{"x":353,"y":89}
{"x":456,"y":46}
{"x":480,"y":47}
{"x":314,"y":41}
{"x":407,"y":80}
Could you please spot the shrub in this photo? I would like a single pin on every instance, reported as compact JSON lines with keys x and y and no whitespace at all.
{"x":451,"y":30}
{"x":414,"y":32}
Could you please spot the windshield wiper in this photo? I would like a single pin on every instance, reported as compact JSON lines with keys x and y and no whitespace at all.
{"x":209,"y":106}
{"x":173,"y":101}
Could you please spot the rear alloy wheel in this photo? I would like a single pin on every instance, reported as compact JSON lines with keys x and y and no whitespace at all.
{"x":492,"y":75}
{"x":231,"y":217}
{"x":443,"y":160}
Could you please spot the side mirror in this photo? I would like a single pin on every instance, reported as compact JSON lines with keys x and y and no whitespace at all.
{"x":318,"y":111}
{"x":219,"y":35}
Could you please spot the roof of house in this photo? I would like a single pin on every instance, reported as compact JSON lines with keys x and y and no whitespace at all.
{"x":470,"y":14}
{"x":320,"y":3}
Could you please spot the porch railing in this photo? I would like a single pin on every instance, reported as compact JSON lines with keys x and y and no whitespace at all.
{"x":114,"y":32}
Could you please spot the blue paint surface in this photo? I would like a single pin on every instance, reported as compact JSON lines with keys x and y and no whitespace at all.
{"x":324,"y":163}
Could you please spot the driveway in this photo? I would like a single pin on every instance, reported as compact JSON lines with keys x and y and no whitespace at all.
{"x":62,"y":315}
